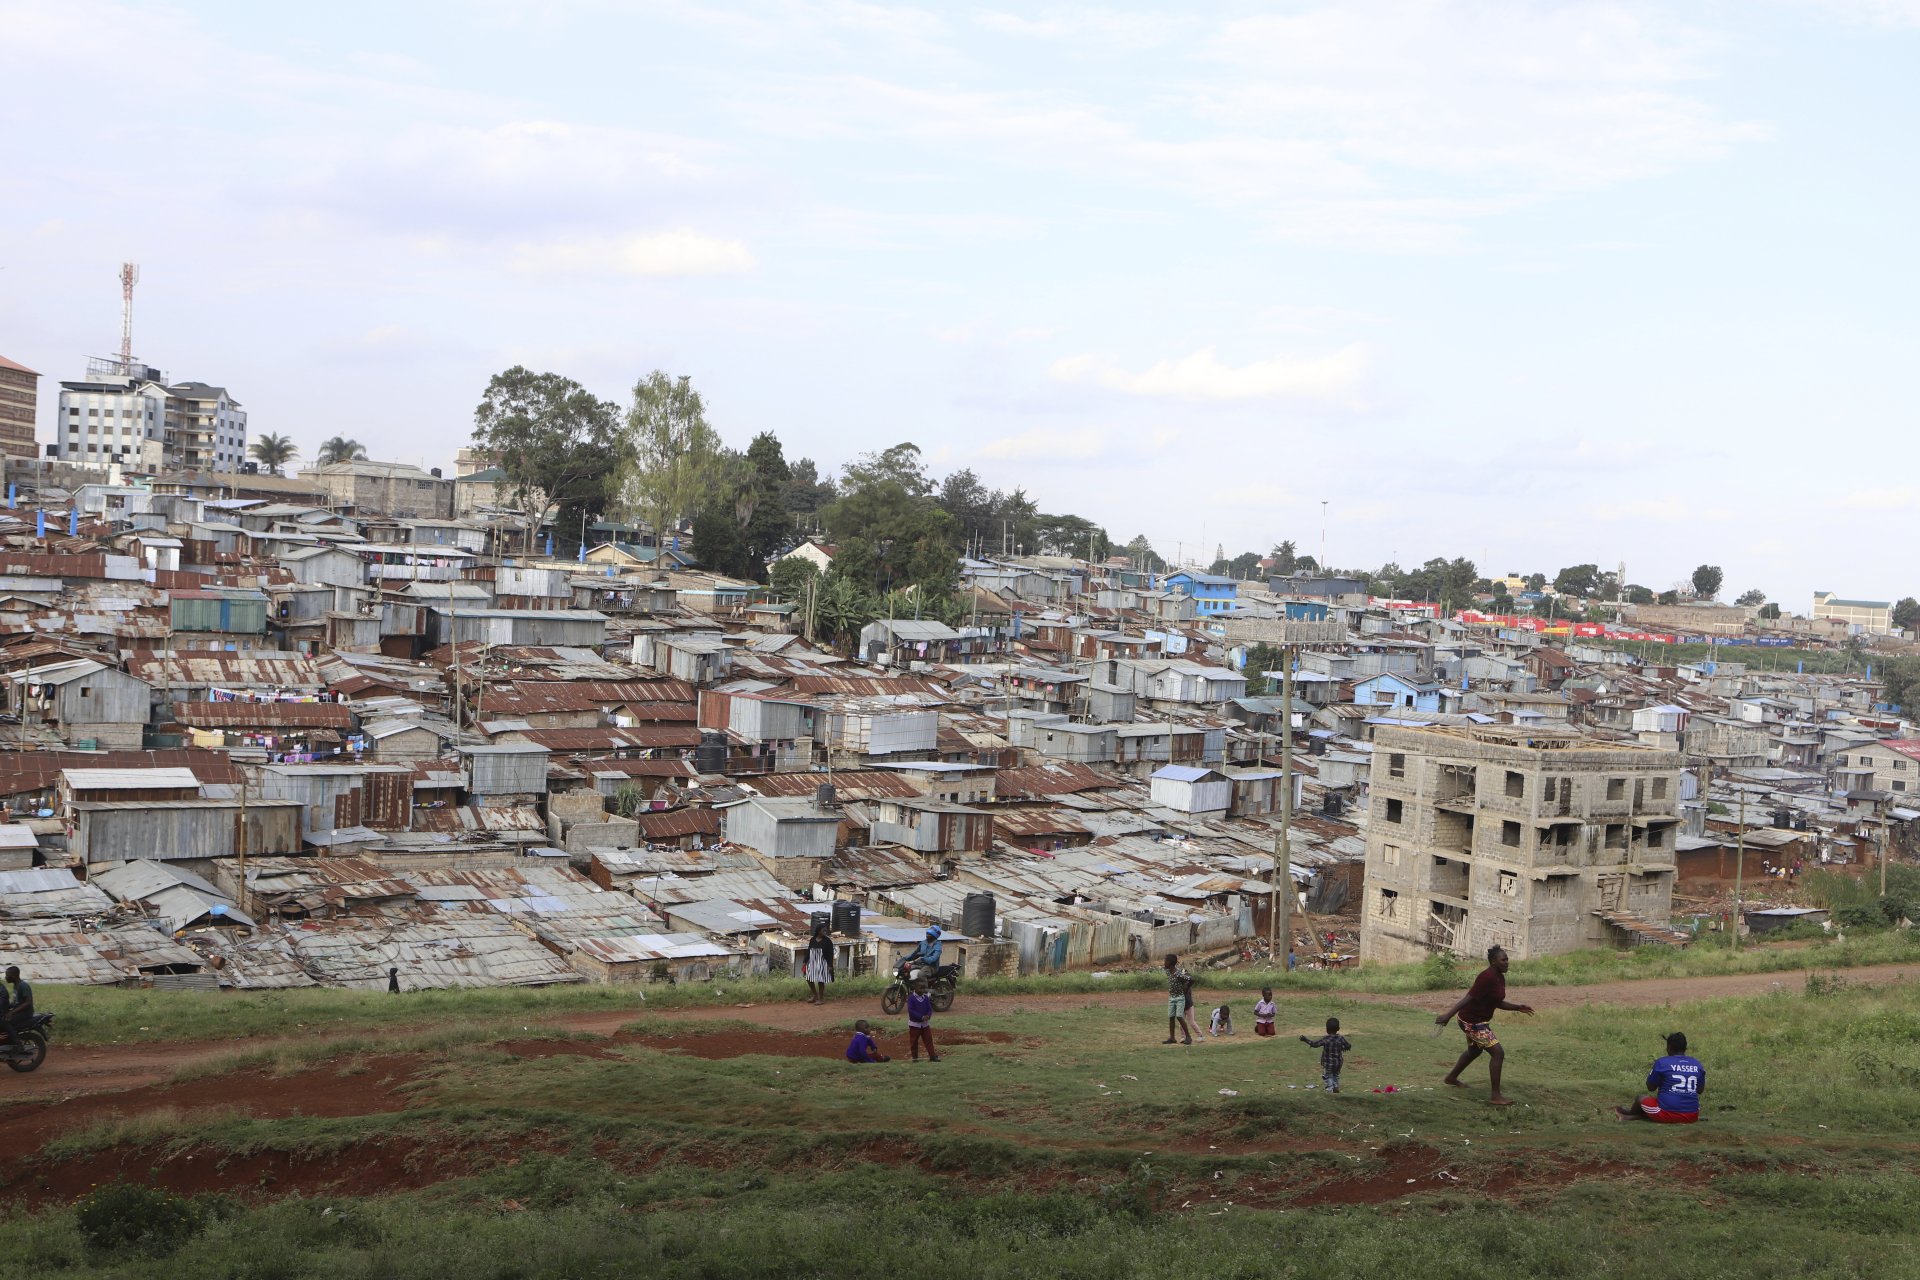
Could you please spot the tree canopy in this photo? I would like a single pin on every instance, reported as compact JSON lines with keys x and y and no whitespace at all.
{"x":273,"y":452}
{"x":558,"y":447}
{"x":674,"y":459}
{"x":1706,"y":581}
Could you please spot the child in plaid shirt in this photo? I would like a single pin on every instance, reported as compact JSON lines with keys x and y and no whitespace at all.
{"x":1333,"y":1053}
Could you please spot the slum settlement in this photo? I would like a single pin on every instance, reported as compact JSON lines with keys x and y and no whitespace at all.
{"x":265,"y":732}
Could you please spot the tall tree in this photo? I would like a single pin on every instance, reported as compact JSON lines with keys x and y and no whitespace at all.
{"x":1906,"y":614}
{"x":769,"y":529}
{"x":675,"y":461}
{"x":1286,"y":558}
{"x":1750,"y":598}
{"x":341,"y":449}
{"x":887,"y":537}
{"x":806,"y":491}
{"x":899,"y":465}
{"x":1577,"y":580}
{"x":558,"y":447}
{"x":1143,"y":556}
{"x":273,"y":452}
{"x":1706,"y":581}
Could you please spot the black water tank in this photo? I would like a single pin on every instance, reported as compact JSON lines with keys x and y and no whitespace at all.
{"x":711,"y":755}
{"x":846,"y":919}
{"x":976,"y":915}
{"x":1331,"y":804}
{"x":823,"y":797}
{"x":1783,"y":818}
{"x":821,"y":920}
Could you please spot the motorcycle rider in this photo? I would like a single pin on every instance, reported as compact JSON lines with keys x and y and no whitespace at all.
{"x":19,"y":1005}
{"x":927,"y":954}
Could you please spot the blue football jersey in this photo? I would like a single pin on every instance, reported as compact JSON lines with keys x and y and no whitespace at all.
{"x":1677,"y":1082}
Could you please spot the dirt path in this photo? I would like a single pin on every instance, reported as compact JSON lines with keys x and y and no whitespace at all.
{"x":85,"y":1069}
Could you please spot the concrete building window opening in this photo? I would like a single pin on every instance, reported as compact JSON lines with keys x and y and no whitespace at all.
{"x":1659,"y":788}
{"x":1397,"y":765}
{"x":1395,"y":809}
{"x":1616,"y":835}
{"x":1390,"y":854}
{"x":1516,"y":785}
{"x":1616,"y":788}
{"x":1388,"y":904}
{"x":1509,"y":884}
{"x":1510,"y":834}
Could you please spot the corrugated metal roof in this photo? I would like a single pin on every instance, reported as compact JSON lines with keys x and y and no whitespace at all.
{"x":131,"y":779}
{"x":288,"y":715}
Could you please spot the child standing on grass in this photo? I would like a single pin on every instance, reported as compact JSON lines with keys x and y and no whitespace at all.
{"x":920,"y":1022}
{"x":1263,"y":1010}
{"x":1333,"y":1053}
{"x":1221,"y":1023}
{"x":1179,"y":995}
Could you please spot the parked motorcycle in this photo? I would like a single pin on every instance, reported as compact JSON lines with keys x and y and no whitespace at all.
{"x":27,"y":1048}
{"x":940,"y":986}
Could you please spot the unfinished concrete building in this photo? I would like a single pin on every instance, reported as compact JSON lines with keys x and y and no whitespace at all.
{"x":1540,"y":840}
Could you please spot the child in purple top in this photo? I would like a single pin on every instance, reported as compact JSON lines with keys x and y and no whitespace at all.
{"x":862,"y":1048}
{"x":920,"y":1022}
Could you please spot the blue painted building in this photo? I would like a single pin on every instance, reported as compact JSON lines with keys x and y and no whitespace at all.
{"x":1211,"y":592}
{"x":1390,"y":690}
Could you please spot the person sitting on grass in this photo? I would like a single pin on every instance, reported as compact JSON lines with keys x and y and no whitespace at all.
{"x":1221,"y":1023}
{"x":862,"y":1047}
{"x":1677,"y":1082}
{"x":1263,"y":1011}
{"x":1333,"y":1053}
{"x":1476,"y":1009}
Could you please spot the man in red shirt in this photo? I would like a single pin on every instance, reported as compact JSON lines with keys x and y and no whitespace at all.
{"x":1475,"y":1011}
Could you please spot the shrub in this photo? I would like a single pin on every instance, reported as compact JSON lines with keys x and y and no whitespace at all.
{"x":139,"y":1219}
{"x":1440,"y":971}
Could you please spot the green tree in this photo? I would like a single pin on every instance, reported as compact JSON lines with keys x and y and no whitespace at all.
{"x":1770,"y":612}
{"x":1536,"y":582}
{"x":558,"y":447}
{"x":806,"y":492}
{"x":1637,"y":594}
{"x":792,"y":577}
{"x":273,"y":452}
{"x":341,"y":449}
{"x":1502,"y":603}
{"x":1669,"y":597}
{"x":1286,"y":558}
{"x":899,"y":465}
{"x":769,"y":527}
{"x":1747,"y":599}
{"x":1577,"y":580}
{"x":1263,"y":660}
{"x":888,"y":538}
{"x":1706,"y":581}
{"x":674,"y":460}
{"x":840,"y":609}
{"x":1906,"y":614}
{"x":974,"y":508}
{"x":1143,"y":556}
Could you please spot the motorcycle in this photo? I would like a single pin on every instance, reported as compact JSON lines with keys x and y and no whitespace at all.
{"x":26,"y":1049}
{"x":940,"y":986}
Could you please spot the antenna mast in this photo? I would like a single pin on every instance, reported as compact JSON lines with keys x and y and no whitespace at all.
{"x":129,"y":277}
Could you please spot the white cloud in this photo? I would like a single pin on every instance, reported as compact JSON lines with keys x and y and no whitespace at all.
{"x":1047,"y":444}
{"x":661,"y":253}
{"x":1334,"y":379}
{"x":1883,"y":13}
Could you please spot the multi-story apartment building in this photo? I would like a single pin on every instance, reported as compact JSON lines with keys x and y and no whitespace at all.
{"x":1895,"y":763}
{"x":130,"y":416}
{"x":19,"y":400}
{"x":206,"y":428}
{"x":1869,"y":615}
{"x":1540,"y":840}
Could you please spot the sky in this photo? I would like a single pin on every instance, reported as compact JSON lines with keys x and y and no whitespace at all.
{"x":1533,"y":284}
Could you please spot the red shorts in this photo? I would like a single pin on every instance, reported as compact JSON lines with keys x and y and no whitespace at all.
{"x":1263,"y":1028}
{"x":1650,"y":1110}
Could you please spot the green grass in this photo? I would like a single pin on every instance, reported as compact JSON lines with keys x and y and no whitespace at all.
{"x":113,"y":1015}
{"x":1081,"y":1147}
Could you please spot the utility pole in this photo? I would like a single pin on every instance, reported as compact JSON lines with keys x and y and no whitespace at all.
{"x":1739,"y":866}
{"x":1280,"y":912}
{"x":1885,"y":826}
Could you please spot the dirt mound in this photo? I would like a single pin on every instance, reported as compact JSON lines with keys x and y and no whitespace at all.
{"x":359,"y":1087}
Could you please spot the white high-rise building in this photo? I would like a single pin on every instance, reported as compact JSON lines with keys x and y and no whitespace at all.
{"x":130,"y":416}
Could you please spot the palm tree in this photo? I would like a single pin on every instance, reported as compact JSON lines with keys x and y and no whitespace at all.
{"x":273,"y":452}
{"x":341,"y":449}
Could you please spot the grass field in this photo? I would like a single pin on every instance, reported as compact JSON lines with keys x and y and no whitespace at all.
{"x":1047,"y":1143}
{"x":113,"y":1015}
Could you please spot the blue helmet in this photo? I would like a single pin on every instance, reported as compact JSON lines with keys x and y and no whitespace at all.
{"x":933,"y":931}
